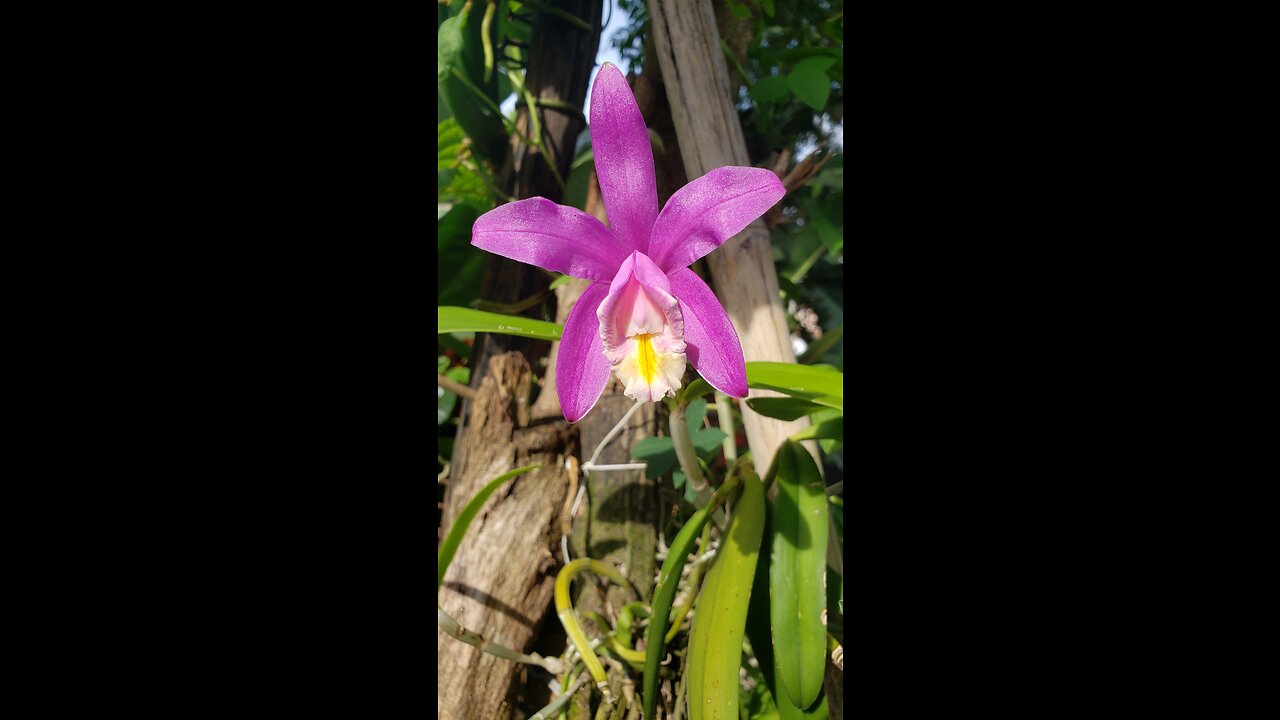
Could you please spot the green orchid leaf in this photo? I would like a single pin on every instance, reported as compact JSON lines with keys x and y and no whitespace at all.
{"x":457,"y":319}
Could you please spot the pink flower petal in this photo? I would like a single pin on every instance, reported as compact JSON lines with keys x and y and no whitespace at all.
{"x":553,"y":237}
{"x":623,"y":158}
{"x":582,"y":370}
{"x":700,"y":216}
{"x":711,"y":343}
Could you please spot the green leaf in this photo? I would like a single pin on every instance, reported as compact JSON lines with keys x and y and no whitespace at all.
{"x":587,"y":156}
{"x":449,"y":547}
{"x":694,"y":414}
{"x":810,"y":83}
{"x":558,"y":282}
{"x":797,"y":576}
{"x":767,"y":6}
{"x":449,"y":141}
{"x":504,"y":87}
{"x":464,"y":186}
{"x":769,"y":89}
{"x":784,"y":408}
{"x":442,"y":364}
{"x":460,"y":266}
{"x":449,"y":47}
{"x":807,"y":382}
{"x":659,"y":453}
{"x":472,"y":100}
{"x":707,"y":441}
{"x":742,"y":12}
{"x":577,"y":184}
{"x":696,"y":389}
{"x":832,"y":429}
{"x":679,"y":480}
{"x":831,"y":234}
{"x":456,"y":319}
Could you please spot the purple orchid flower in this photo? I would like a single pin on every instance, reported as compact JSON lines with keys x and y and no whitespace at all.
{"x":645,"y":312}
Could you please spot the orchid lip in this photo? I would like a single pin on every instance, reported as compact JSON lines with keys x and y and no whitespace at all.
{"x":642,"y":330}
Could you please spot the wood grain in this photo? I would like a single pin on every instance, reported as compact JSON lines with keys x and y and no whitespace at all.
{"x":697,"y":83}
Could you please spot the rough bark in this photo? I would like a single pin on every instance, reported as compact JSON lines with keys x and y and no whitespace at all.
{"x":501,"y":580}
{"x":687,"y":45}
{"x":500,"y":583}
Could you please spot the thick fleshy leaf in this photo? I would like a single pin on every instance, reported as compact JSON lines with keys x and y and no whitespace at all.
{"x":700,"y":216}
{"x":553,"y":237}
{"x":711,"y":343}
{"x":821,"y":385}
{"x":460,"y":319}
{"x":623,"y":158}
{"x":582,"y":370}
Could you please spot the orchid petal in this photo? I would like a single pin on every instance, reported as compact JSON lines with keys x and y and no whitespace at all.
{"x":700,"y":216}
{"x":582,"y":370}
{"x":711,"y":343}
{"x":553,"y":237}
{"x":623,"y":159}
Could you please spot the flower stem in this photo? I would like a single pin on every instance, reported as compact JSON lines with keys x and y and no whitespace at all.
{"x":724,"y":411}
{"x":685,"y":452}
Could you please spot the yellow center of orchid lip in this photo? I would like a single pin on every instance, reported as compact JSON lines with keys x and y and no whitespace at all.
{"x":645,"y":359}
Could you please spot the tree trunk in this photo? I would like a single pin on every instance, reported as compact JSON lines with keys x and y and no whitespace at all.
{"x":697,"y":84}
{"x":501,"y":580}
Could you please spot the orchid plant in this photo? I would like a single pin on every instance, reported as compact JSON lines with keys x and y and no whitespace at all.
{"x":645,"y":314}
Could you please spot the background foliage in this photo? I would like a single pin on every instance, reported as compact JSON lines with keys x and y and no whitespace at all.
{"x":787,"y":56}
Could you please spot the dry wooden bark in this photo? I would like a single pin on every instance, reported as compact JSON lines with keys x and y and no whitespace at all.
{"x":500,"y":583}
{"x":501,"y":580}
{"x":694,"y":74}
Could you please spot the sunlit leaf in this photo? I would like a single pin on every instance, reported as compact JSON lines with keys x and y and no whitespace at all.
{"x":448,"y":47}
{"x":455,"y":319}
{"x":809,"y":81}
{"x":808,"y":382}
{"x":832,"y":429}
